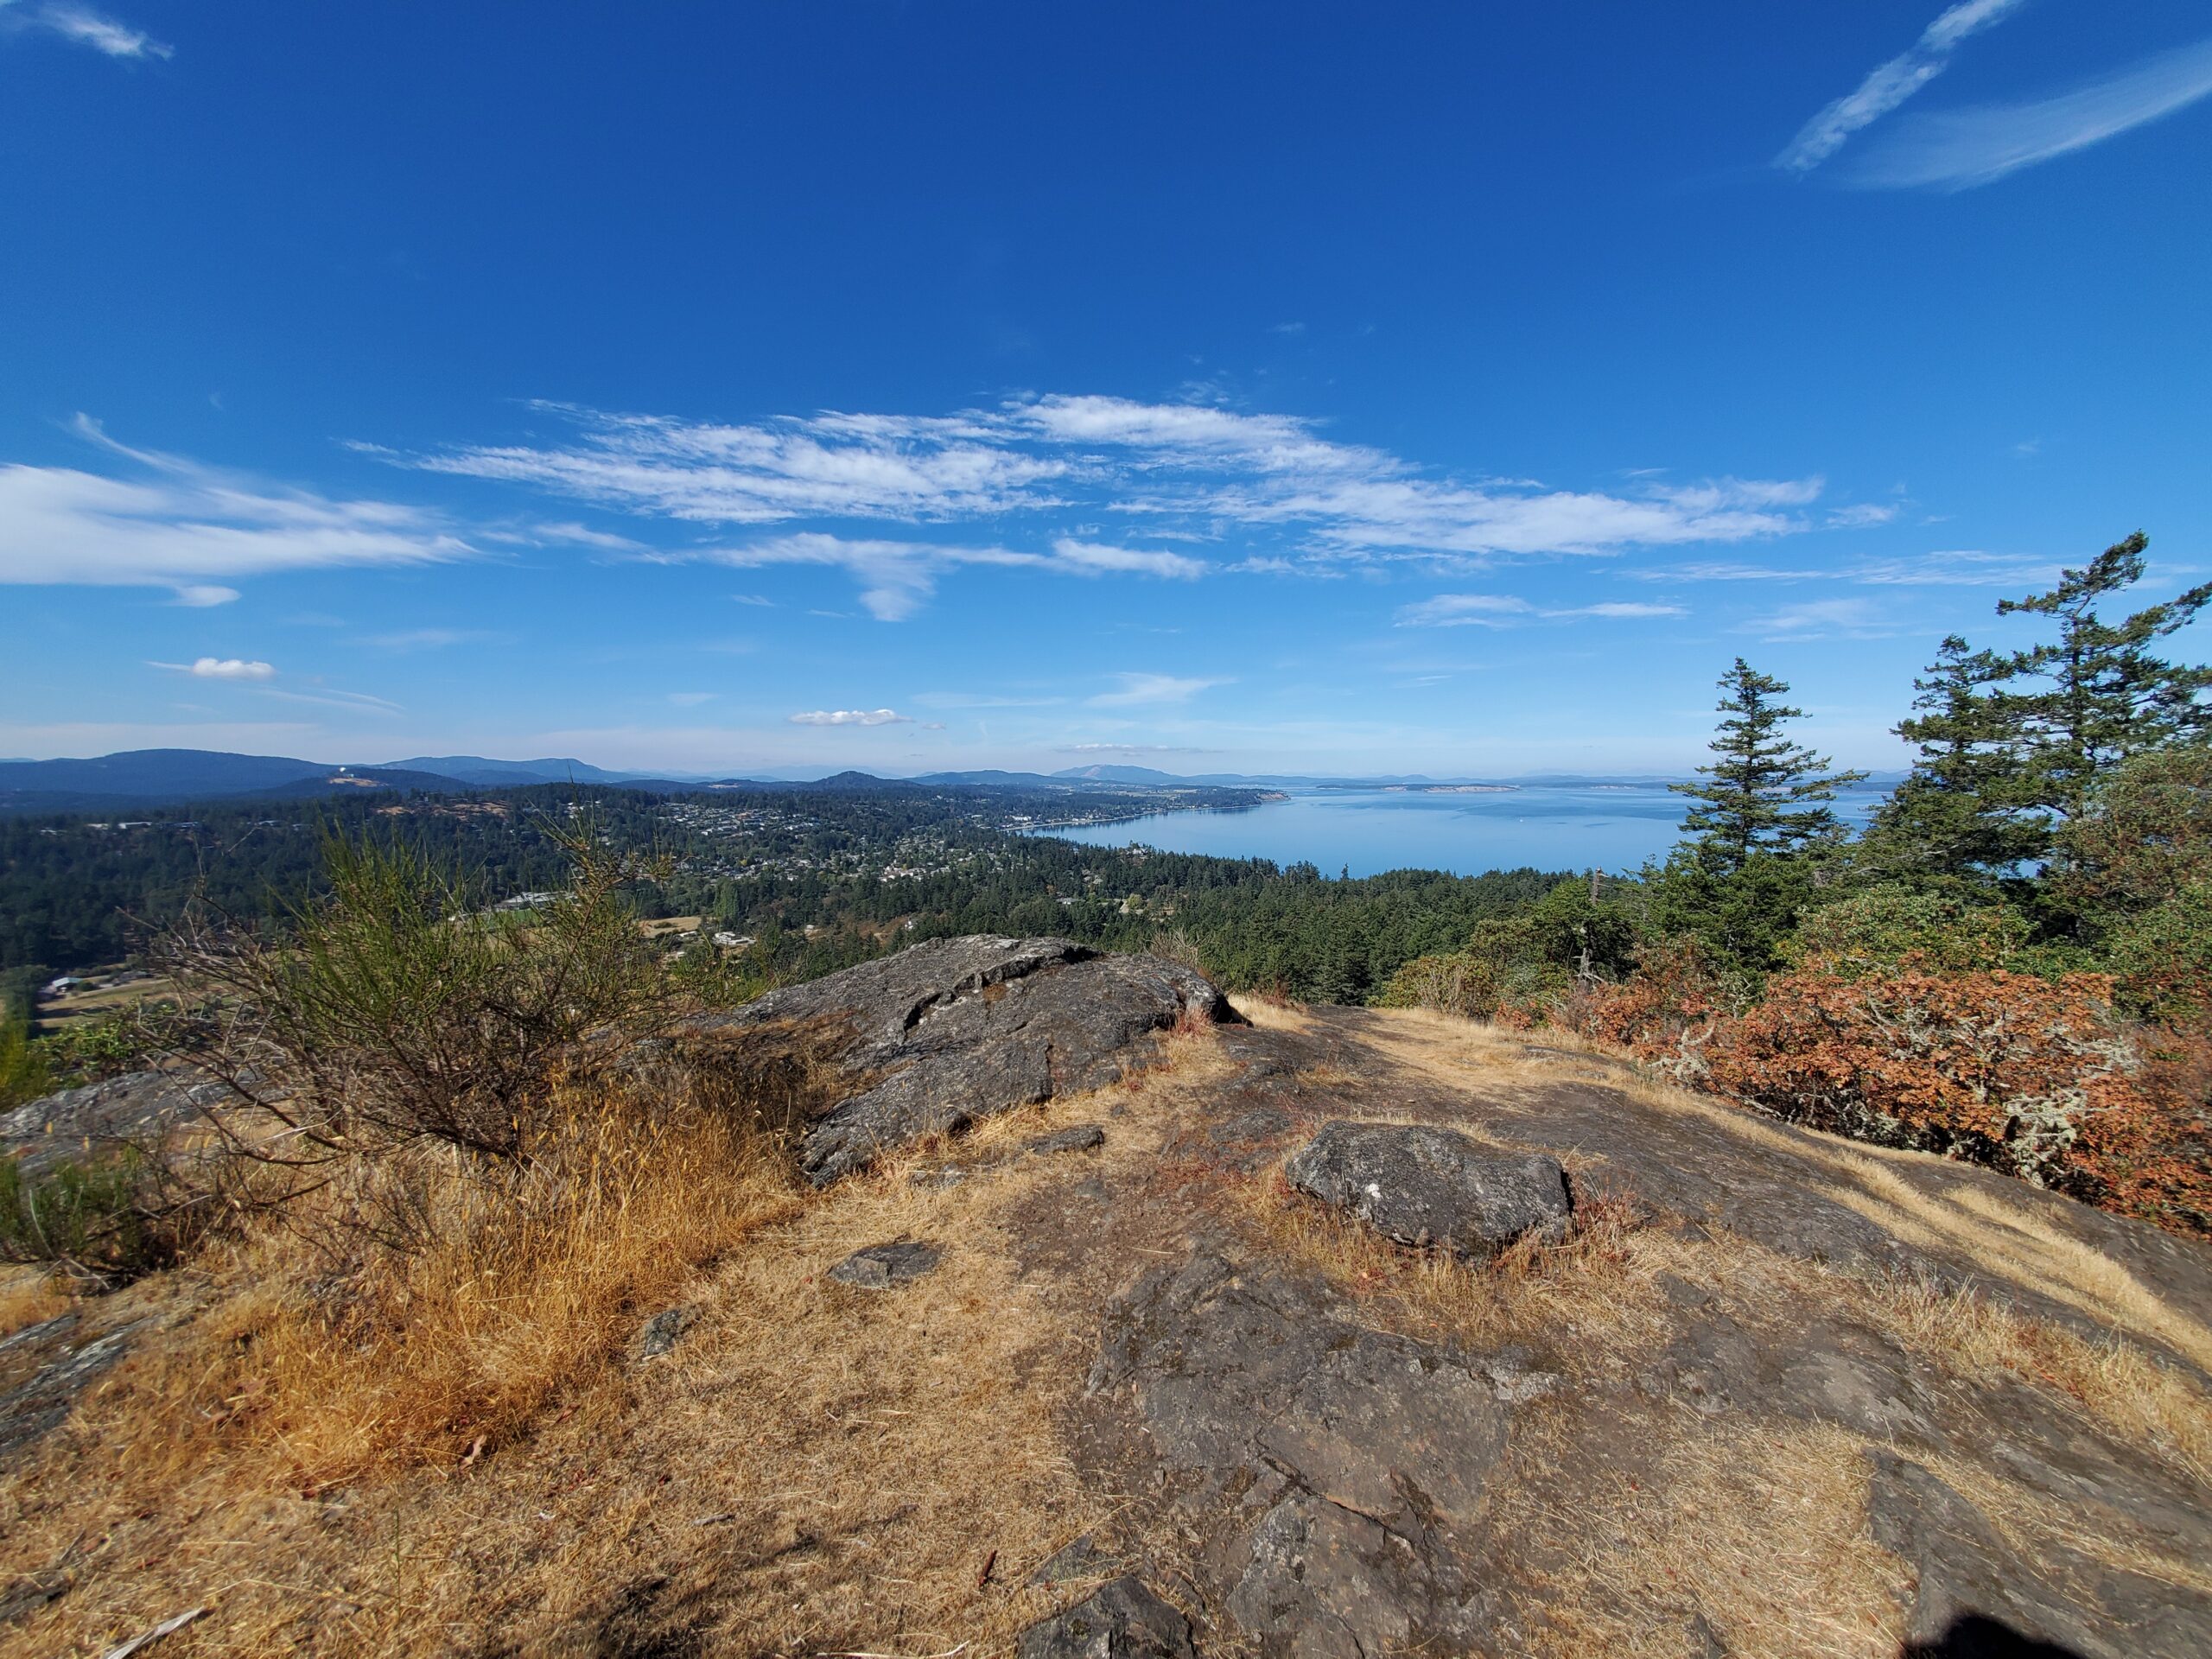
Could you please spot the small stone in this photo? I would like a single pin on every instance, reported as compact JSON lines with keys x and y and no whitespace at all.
{"x":663,"y":1330}
{"x":1122,"y":1621}
{"x":1080,"y":1138}
{"x":1423,"y":1185}
{"x":881,"y":1265}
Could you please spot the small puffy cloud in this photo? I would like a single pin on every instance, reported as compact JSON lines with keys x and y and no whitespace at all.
{"x":221,"y":668}
{"x":852,"y":717}
{"x":1464,"y":610}
{"x":1151,"y":688}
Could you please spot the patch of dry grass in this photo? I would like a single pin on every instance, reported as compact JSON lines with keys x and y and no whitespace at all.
{"x":28,"y":1296}
{"x":1761,"y":1534}
{"x":2139,"y":1400}
{"x":1271,"y":1013}
{"x":815,"y":1467}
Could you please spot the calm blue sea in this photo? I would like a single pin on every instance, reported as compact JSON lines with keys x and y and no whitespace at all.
{"x":1609,"y":827}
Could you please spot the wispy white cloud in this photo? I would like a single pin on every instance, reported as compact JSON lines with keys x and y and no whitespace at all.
{"x":1890,"y":83}
{"x":1622,"y":610}
{"x":1855,"y":618}
{"x":175,"y":524}
{"x":852,"y":717}
{"x":1960,"y":148}
{"x":1464,"y":610}
{"x":429,"y":639}
{"x":1506,"y":611}
{"x":221,"y":668}
{"x":360,"y":702}
{"x":1090,"y":558}
{"x":1137,"y":689}
{"x":88,"y":28}
{"x":202,"y":595}
{"x":1188,"y":471}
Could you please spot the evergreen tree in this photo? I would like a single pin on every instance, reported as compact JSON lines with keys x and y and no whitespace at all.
{"x":1958,"y":816}
{"x":2108,"y":697}
{"x":1763,"y":793}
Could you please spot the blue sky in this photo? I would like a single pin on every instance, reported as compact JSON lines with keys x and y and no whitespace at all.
{"x":1283,"y":387}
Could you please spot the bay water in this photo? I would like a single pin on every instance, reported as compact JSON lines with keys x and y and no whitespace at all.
{"x":1612,"y":827}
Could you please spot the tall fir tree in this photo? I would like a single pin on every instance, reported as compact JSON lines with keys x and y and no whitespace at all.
{"x":1959,"y":815}
{"x":1763,"y":793}
{"x":2106,"y":696}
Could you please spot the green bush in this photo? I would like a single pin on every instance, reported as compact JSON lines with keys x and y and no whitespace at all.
{"x":399,"y":1009}
{"x":94,"y":1215}
{"x":1889,"y":928}
{"x":2162,"y":958}
{"x":24,"y":1072}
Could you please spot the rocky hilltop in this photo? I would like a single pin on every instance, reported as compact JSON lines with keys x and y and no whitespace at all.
{"x":1105,"y":1319}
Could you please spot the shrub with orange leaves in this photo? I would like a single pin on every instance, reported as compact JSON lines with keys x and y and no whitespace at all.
{"x":1999,"y":1068}
{"x":2041,"y":1078}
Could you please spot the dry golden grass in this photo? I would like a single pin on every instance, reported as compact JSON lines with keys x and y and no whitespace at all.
{"x":2135,"y":1399}
{"x":28,"y":1296}
{"x":524,"y":1294}
{"x":1271,"y":1013}
{"x":1761,"y":1534}
{"x":466,"y":1449}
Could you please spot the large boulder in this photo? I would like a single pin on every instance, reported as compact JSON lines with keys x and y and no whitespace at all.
{"x":1423,"y":1185}
{"x":935,"y":1037}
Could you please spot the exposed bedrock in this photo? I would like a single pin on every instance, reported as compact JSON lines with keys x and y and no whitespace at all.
{"x":935,"y":1037}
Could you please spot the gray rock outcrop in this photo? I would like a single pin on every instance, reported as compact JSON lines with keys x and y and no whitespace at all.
{"x":137,"y":1106}
{"x":935,"y":1037}
{"x":1124,"y":1620}
{"x":1420,"y":1185}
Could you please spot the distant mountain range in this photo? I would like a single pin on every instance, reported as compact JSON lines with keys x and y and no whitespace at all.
{"x":151,"y":777}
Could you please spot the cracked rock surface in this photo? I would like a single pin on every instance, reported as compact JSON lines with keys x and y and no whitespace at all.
{"x":935,"y":1037}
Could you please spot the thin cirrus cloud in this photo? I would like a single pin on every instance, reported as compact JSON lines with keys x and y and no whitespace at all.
{"x":1959,"y":150}
{"x":1138,"y":688}
{"x":85,"y":26}
{"x":852,"y":717}
{"x":1187,"y":472}
{"x":176,"y":525}
{"x":1505,"y":611}
{"x":1891,"y":83}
